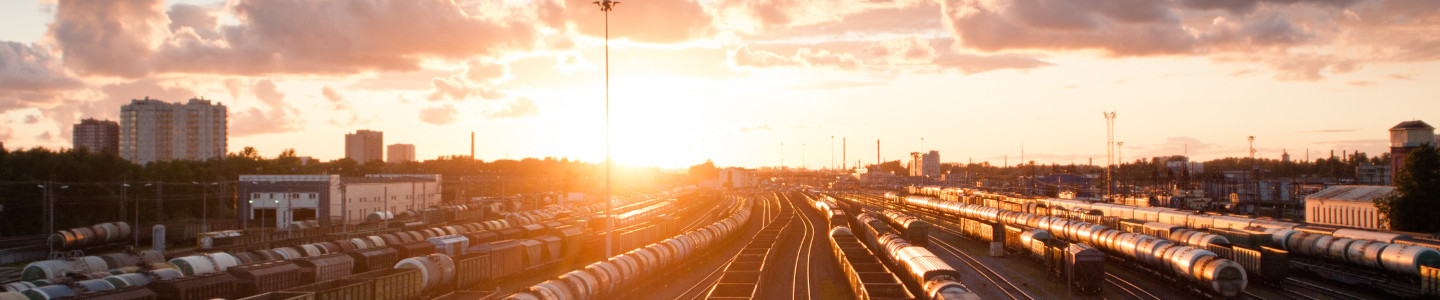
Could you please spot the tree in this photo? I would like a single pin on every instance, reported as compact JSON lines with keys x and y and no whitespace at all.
{"x":702,"y":172}
{"x":1416,"y":198}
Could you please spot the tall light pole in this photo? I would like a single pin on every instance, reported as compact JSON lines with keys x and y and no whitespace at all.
{"x":802,"y":156}
{"x":606,"y":6}
{"x":832,"y":152}
{"x":782,"y":155}
{"x":1120,"y":160}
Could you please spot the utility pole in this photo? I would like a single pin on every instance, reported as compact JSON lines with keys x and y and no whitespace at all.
{"x":606,"y":6}
{"x":782,"y":155}
{"x":844,"y":150}
{"x":1120,"y":161}
{"x":1109,"y":151}
{"x":877,"y":154}
{"x":802,"y":156}
{"x":832,"y":152}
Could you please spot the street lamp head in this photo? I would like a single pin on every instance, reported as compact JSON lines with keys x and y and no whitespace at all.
{"x":606,"y":5}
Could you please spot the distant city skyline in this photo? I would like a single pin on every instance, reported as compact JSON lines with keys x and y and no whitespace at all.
{"x":730,"y":80}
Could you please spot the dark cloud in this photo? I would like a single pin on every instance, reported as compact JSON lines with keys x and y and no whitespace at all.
{"x":30,"y":76}
{"x":133,"y":38}
{"x":439,"y":115}
{"x":193,"y":19}
{"x":1147,"y":28}
{"x":1246,"y":6}
{"x":108,"y":37}
{"x":32,"y":119}
{"x":520,"y":108}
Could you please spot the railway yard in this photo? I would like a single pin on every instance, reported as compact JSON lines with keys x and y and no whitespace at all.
{"x":788,"y":243}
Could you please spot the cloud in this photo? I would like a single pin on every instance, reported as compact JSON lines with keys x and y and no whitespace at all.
{"x":105,"y":37}
{"x":340,"y":106}
{"x":1400,"y":76}
{"x":1119,"y":28}
{"x":757,"y":128}
{"x":743,"y":57}
{"x":134,"y":38}
{"x":838,"y":85}
{"x":279,"y":118}
{"x":487,"y":71}
{"x":1360,"y":83}
{"x":669,"y":21}
{"x":459,"y":89}
{"x":754,"y":15}
{"x":1246,"y":6}
{"x":519,"y":108}
{"x":31,"y":75}
{"x":973,"y":63}
{"x":439,"y":115}
{"x":32,"y":119}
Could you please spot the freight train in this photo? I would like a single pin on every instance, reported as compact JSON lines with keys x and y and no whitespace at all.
{"x":1195,"y":267}
{"x":609,"y":278}
{"x":453,"y":257}
{"x":1384,"y":251}
{"x":933,"y":277}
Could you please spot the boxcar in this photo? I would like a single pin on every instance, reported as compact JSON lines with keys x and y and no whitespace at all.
{"x":282,"y":296}
{"x":1268,"y":265}
{"x":324,"y":268}
{"x":125,"y":293}
{"x":374,"y":259}
{"x":340,"y":289}
{"x":199,"y":287}
{"x":413,"y":249}
{"x":393,"y":284}
{"x":1085,"y":268}
{"x":264,"y":277}
{"x":508,"y":257}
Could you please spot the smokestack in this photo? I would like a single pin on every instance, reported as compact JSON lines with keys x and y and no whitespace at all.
{"x":877,"y":153}
{"x":843,"y":159}
{"x":472,"y":145}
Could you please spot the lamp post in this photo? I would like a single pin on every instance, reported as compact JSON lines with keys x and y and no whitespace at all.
{"x":606,"y":6}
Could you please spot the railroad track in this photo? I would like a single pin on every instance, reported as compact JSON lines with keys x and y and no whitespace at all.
{"x":772,"y":210}
{"x":1126,"y":287}
{"x":807,"y":245}
{"x":1005,"y":286}
{"x":1297,"y":287}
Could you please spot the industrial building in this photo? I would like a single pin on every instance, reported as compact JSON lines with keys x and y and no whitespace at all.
{"x":925,"y":164}
{"x":1347,"y":205}
{"x":152,"y":130}
{"x":1405,"y":137}
{"x":365,"y":145}
{"x":397,"y":153}
{"x":738,"y":178}
{"x":276,"y":200}
{"x":97,"y":136}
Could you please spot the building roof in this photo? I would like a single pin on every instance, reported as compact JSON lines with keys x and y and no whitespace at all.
{"x":1416,"y":124}
{"x":1358,"y":193}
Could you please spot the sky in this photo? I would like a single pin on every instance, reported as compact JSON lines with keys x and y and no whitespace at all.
{"x":741,"y":82}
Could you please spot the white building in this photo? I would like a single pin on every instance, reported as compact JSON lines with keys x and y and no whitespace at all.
{"x":1347,"y":205}
{"x":738,"y":178}
{"x":275,"y":200}
{"x":925,"y":164}
{"x":152,"y":130}
{"x":396,"y":153}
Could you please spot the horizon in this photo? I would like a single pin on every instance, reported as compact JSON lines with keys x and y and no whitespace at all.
{"x":730,"y":80}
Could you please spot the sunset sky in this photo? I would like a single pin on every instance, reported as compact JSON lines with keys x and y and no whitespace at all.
{"x":731,"y":80}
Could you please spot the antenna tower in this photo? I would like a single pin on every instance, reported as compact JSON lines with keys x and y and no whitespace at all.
{"x":1109,"y":150}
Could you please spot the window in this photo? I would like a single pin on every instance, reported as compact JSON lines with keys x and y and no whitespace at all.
{"x":294,"y":195}
{"x":254,"y":195}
